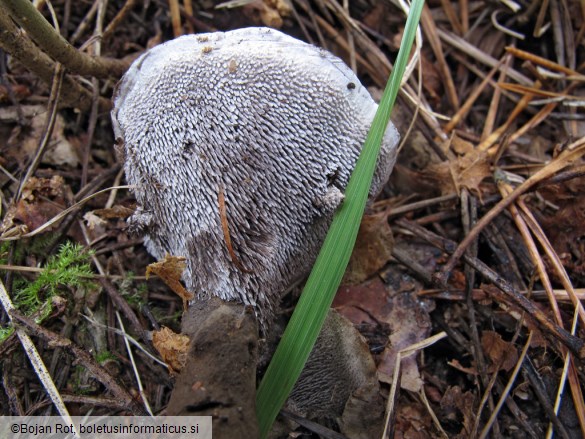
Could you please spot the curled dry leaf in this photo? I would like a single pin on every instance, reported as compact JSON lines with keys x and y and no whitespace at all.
{"x":93,"y":221}
{"x":42,"y":199}
{"x":172,"y":348}
{"x":466,"y":171}
{"x":455,"y":404}
{"x":170,"y":270}
{"x":373,"y":249}
{"x":502,"y":354}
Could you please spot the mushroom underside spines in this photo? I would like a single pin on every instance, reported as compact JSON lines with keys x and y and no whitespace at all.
{"x":280,"y":145}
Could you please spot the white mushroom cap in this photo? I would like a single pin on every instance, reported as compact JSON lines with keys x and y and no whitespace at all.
{"x":273,"y":123}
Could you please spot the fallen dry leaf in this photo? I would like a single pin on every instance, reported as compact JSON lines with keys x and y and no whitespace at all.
{"x":41,"y":200}
{"x":461,"y":146}
{"x":23,"y":143}
{"x":365,"y":303}
{"x":467,"y":171}
{"x":413,"y":422}
{"x":502,"y":354}
{"x":411,"y":325}
{"x":170,"y":270}
{"x":373,"y":249}
{"x":361,"y":417}
{"x":565,"y":228}
{"x":93,"y":221}
{"x":455,"y":404}
{"x":407,"y":318}
{"x":172,"y":348}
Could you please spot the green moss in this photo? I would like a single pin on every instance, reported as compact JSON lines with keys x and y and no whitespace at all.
{"x":104,"y":356}
{"x":5,"y":332}
{"x":69,"y":268}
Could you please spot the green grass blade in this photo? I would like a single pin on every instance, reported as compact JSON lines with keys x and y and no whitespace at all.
{"x":306,"y":322}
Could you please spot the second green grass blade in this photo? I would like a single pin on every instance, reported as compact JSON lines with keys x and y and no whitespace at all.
{"x":306,"y":322}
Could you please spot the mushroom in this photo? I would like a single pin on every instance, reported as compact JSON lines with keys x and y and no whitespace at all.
{"x":239,"y":146}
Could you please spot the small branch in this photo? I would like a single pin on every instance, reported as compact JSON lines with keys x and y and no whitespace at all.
{"x":48,"y":130}
{"x":120,"y":16}
{"x":570,"y":155}
{"x":35,"y":358}
{"x":85,"y":359}
{"x":33,"y":59}
{"x":53,"y":44}
{"x":503,"y":293}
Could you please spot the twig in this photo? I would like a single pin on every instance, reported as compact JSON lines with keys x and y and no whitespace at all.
{"x":84,"y":358}
{"x":518,"y":109}
{"x":487,"y":395}
{"x":53,"y":44}
{"x":48,"y":129}
{"x":546,"y":63}
{"x":436,"y":421}
{"x":97,"y":49}
{"x":506,"y":392}
{"x":29,"y":55}
{"x":490,"y":119}
{"x":570,"y":155}
{"x":525,"y":221}
{"x":406,"y":352}
{"x":120,"y":16}
{"x":465,"y":108}
{"x":134,"y":368}
{"x":480,"y":56}
{"x":504,"y":292}
{"x":319,"y":429}
{"x":115,"y":295}
{"x":82,"y":27}
{"x":529,"y":372}
{"x":404,"y":258}
{"x":430,"y":28}
{"x":126,"y":337}
{"x":35,"y":359}
{"x":58,"y":217}
{"x":452,"y":16}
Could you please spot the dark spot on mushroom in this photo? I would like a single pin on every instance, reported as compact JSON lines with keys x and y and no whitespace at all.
{"x":232,"y":66}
